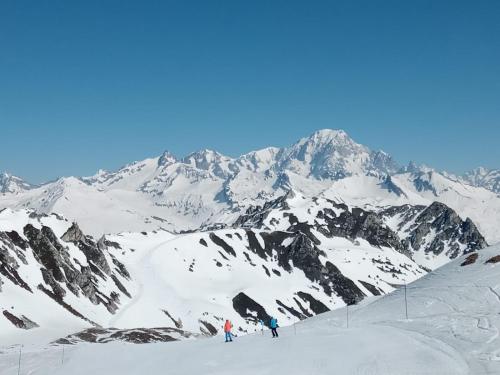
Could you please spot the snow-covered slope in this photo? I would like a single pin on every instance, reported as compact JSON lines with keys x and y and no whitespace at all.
{"x":292,"y":258}
{"x":206,"y":188}
{"x":452,"y":328}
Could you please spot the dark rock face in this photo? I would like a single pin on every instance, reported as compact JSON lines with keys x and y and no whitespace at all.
{"x":177,"y":322}
{"x":134,"y":336}
{"x":291,"y":310}
{"x":372,"y":288}
{"x":57,"y":267}
{"x":61,"y":273}
{"x":17,"y":239}
{"x":8,"y":264}
{"x":339,"y":221}
{"x":73,"y":234}
{"x":471,"y":259}
{"x":358,"y":223}
{"x":316,"y":306}
{"x":446,"y":230}
{"x":220,"y":242}
{"x":265,"y":253}
{"x":304,"y":255}
{"x":207,"y":329}
{"x":93,"y":252}
{"x":255,"y":215}
{"x":250,"y":310}
{"x":493,"y":260}
{"x":22,"y":322}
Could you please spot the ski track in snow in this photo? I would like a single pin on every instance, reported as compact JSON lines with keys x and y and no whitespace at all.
{"x":146,"y":269}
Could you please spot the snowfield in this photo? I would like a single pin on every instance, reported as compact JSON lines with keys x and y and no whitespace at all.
{"x":452,"y":328}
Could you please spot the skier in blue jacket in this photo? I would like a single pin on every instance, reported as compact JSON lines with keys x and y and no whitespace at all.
{"x":274,"y":325}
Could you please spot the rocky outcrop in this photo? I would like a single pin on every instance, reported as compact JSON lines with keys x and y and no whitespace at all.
{"x":95,"y":275}
{"x":134,"y":335}
{"x":334,"y":220}
{"x":8,"y":263}
{"x":20,"y":322}
{"x":93,"y":252}
{"x":250,"y":310}
{"x":255,"y":215}
{"x":493,"y":260}
{"x":436,"y":229}
{"x":220,"y":242}
{"x":61,"y":273}
{"x":471,"y":259}
{"x":73,"y":234}
{"x":356,"y":223}
{"x":303,"y":254}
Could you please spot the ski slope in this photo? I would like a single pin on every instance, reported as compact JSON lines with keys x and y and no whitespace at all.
{"x":452,"y":328}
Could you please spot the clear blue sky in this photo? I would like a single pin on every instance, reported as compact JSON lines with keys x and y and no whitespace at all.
{"x":96,"y":84}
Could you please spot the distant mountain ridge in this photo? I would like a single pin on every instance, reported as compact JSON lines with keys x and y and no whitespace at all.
{"x":12,"y":184}
{"x":483,"y":177}
{"x":206,"y":188}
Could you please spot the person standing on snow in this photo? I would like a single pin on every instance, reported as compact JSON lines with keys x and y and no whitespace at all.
{"x":274,"y":325}
{"x":227,"y":330}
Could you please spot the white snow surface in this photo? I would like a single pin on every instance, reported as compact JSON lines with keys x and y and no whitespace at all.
{"x":452,"y":328}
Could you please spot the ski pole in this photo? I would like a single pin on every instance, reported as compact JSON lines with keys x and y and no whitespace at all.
{"x":19,"y":363}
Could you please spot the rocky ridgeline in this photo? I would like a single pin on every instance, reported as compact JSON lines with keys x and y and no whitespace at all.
{"x":431,"y":229}
{"x":135,"y":335}
{"x":435,"y":229}
{"x":61,"y":273}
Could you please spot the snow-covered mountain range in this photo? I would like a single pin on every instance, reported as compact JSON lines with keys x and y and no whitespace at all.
{"x":292,"y":258}
{"x":482,"y":177}
{"x":167,"y":248}
{"x":206,"y":188}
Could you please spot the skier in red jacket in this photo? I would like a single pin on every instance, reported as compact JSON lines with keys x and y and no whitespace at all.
{"x":227,"y":330}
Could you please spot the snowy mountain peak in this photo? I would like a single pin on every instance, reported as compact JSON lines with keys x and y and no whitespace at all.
{"x":330,"y":134}
{"x":329,"y":138}
{"x":206,"y":188}
{"x":167,"y":158}
{"x":13,"y":184}
{"x":204,"y":158}
{"x":209,"y":160}
{"x":332,"y":154}
{"x":415,"y":168}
